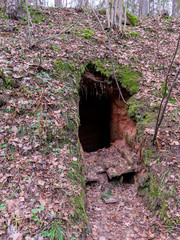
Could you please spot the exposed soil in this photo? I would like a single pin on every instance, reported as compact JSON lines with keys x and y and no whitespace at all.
{"x":111,"y":167}
{"x":41,"y":184}
{"x":114,"y":209}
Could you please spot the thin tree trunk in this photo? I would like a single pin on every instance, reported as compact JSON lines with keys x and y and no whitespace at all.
{"x":112,"y":13}
{"x":120,"y":14}
{"x":108,"y":12}
{"x":159,"y":7}
{"x":28,"y":17}
{"x":125,"y":16}
{"x":149,"y":1}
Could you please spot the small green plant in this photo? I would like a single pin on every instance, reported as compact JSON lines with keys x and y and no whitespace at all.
{"x":149,"y":29}
{"x":169,"y":230}
{"x":83,"y":32}
{"x":64,"y":37}
{"x":5,"y":16}
{"x":2,"y":207}
{"x":35,"y":211}
{"x":55,"y":48}
{"x":87,"y":34}
{"x":4,"y":227}
{"x":3,"y":9}
{"x":107,"y":195}
{"x":54,"y":233}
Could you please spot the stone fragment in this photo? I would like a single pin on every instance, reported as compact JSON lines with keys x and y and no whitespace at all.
{"x":117,"y":172}
{"x":110,"y":200}
{"x":100,"y":169}
{"x":127,"y":155}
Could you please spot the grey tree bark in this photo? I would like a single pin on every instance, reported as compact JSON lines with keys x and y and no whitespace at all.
{"x":14,"y":9}
{"x":58,"y":3}
{"x":175,"y":8}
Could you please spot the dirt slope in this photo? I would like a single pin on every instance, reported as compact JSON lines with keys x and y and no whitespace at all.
{"x":41,"y":184}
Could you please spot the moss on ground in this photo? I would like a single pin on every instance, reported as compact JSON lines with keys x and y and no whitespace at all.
{"x":125,"y":75}
{"x":8,"y":81}
{"x":150,"y":185}
{"x":70,"y":74}
{"x":78,"y":198}
{"x":140,"y":111}
{"x":133,"y":19}
{"x":155,"y":191}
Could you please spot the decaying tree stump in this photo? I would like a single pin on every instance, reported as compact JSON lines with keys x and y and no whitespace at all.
{"x":14,"y":9}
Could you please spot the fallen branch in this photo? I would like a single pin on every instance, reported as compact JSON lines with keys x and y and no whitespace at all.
{"x":52,"y":37}
{"x":161,"y":116}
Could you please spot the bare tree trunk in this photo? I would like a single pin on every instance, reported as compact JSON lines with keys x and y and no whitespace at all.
{"x":28,"y":17}
{"x":148,"y":11}
{"x":159,"y":7}
{"x":14,"y":9}
{"x":86,"y":3}
{"x":58,"y":3}
{"x":175,"y":8}
{"x":108,"y":12}
{"x":112,"y":13}
{"x":140,"y":8}
{"x":125,"y":17}
{"x":120,"y":14}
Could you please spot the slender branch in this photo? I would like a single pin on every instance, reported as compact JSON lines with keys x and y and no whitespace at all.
{"x":112,"y":62}
{"x":97,"y":18}
{"x":28,"y":17}
{"x":53,"y":36}
{"x":158,"y":122}
{"x":168,"y":96}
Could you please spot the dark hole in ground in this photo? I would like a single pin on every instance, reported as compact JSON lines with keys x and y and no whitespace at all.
{"x":94,"y":130}
{"x":91,"y":183}
{"x":103,"y":115}
{"x":124,"y":178}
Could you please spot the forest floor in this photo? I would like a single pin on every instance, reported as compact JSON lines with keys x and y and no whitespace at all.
{"x":41,"y":184}
{"x":114,"y":209}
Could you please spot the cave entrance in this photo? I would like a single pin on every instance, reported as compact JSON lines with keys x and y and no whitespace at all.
{"x":94,"y":130}
{"x":103,"y":116}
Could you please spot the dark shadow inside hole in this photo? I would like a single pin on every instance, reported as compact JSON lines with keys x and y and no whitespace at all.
{"x":94,"y":130}
{"x":127,"y":178}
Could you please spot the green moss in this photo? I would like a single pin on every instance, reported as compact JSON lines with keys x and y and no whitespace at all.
{"x":140,"y":112}
{"x":127,"y":78}
{"x":132,"y":33}
{"x":155,"y":191}
{"x":36,"y":16}
{"x":83,"y":32}
{"x":8,"y":81}
{"x":78,"y":198}
{"x":149,"y":29}
{"x":137,"y":109}
{"x":133,"y":19}
{"x":167,"y":17}
{"x":3,"y":9}
{"x":102,"y":11}
{"x":4,"y":16}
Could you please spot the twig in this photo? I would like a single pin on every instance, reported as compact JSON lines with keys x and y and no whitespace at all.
{"x":165,"y":105}
{"x":158,"y":122}
{"x":110,"y":52}
{"x":29,"y":34}
{"x":97,"y":18}
{"x":112,"y":62}
{"x":52,"y":37}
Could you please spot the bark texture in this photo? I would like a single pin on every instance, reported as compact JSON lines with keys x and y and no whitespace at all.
{"x":14,"y":9}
